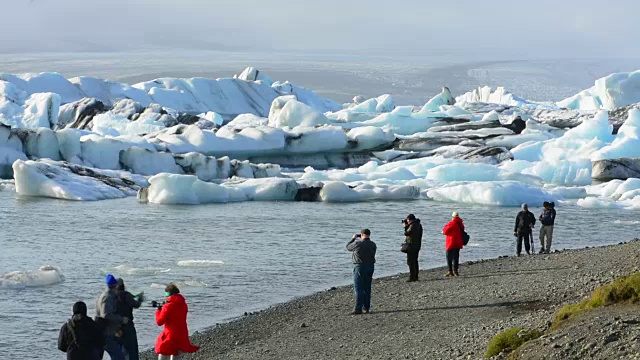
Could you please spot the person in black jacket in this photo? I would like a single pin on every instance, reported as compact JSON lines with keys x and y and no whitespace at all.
{"x":547,"y":219}
{"x":80,"y":337}
{"x":126,"y":303}
{"x":524,"y":224}
{"x":413,"y":237}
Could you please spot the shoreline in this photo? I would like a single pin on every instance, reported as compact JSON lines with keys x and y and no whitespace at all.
{"x":435,"y":318}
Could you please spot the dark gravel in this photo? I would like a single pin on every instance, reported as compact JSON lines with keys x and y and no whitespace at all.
{"x":436,"y":318}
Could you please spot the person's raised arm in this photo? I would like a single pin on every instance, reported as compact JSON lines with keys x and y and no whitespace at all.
{"x":353,"y":244}
{"x":408,"y":230}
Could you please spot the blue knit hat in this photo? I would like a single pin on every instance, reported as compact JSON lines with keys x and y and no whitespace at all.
{"x":111,"y":281}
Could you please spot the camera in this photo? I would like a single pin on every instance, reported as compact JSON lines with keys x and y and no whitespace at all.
{"x":156,"y":304}
{"x":404,"y":221}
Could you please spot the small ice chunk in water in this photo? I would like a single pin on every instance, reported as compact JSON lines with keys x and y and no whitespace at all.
{"x":200,"y":263}
{"x":46,"y":275}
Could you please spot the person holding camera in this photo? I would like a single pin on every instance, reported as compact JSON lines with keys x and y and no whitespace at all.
{"x":172,"y":314}
{"x":413,"y":239}
{"x":525,"y":221}
{"x":364,"y":259}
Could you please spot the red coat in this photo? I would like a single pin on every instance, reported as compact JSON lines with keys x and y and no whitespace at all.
{"x":175,"y":335}
{"x":453,"y":231}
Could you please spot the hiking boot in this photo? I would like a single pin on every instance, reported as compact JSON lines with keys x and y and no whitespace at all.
{"x":541,"y":251}
{"x":455,"y":273}
{"x":356,"y":312}
{"x":448,"y":274}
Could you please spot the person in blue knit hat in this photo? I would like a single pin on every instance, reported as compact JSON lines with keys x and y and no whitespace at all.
{"x":107,"y":316}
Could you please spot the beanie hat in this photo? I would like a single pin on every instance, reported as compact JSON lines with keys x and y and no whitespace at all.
{"x":111,"y":281}
{"x":454,"y":214}
{"x":80,"y":308}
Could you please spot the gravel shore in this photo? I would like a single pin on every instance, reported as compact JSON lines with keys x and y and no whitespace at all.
{"x":435,"y":318}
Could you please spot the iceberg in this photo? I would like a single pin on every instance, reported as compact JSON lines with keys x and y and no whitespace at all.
{"x":499,"y":96}
{"x":60,"y":180}
{"x":502,"y":193}
{"x":340,"y":192}
{"x":294,"y":113}
{"x":45,"y":276}
{"x":188,"y":189}
{"x":250,"y":138}
{"x":22,"y":110}
{"x":39,"y":95}
{"x":626,"y":143}
{"x":444,"y":98}
{"x":610,"y":92}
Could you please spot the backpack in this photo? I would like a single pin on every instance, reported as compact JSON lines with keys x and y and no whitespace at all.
{"x":465,"y":236}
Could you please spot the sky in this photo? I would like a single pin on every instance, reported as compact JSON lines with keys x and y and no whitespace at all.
{"x":466,"y":28}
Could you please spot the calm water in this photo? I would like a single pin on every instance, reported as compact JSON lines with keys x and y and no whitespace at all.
{"x":272,"y":252}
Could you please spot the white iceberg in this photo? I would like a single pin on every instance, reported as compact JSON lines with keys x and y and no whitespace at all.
{"x":610,"y":92}
{"x":46,"y":275}
{"x":502,"y":193}
{"x":46,"y":178}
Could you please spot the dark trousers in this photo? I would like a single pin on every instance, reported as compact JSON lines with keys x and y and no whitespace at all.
{"x":362,"y":278}
{"x":527,"y":239}
{"x":453,"y":259}
{"x":130,"y":341}
{"x":414,"y":267}
{"x":113,"y":347}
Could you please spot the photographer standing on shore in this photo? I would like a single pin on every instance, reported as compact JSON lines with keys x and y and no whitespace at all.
{"x":413,"y":238}
{"x":364,"y":259}
{"x":525,"y":221}
{"x":172,"y":314}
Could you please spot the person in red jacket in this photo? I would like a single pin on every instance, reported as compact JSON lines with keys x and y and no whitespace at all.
{"x":453,"y":243}
{"x":174,"y":339}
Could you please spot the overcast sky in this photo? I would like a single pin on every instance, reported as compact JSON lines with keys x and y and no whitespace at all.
{"x":538,"y":28}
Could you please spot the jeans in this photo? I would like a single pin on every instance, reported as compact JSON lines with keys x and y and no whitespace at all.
{"x":453,"y":259}
{"x":130,"y":341}
{"x":523,"y":237}
{"x":362,"y":277}
{"x":414,"y":267}
{"x":546,"y":231}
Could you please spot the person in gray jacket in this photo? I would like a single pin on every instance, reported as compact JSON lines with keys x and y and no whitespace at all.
{"x":364,"y":259}
{"x":107,"y":317}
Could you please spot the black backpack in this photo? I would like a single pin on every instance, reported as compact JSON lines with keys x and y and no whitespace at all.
{"x":465,"y":236}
